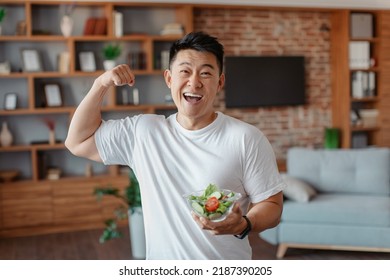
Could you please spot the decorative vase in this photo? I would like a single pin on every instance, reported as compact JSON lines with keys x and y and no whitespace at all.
{"x":137,"y":233}
{"x":109,"y":64}
{"x":66,"y":25}
{"x":6,"y":137}
{"x":52,"y":137}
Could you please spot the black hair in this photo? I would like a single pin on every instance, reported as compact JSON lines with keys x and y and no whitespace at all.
{"x":201,"y":42}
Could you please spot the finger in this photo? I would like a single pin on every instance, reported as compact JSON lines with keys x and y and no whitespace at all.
{"x":123,"y":75}
{"x":197,"y":220}
{"x":208,"y":224}
{"x":237,"y":209}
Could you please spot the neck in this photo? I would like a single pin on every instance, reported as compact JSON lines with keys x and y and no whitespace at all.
{"x":195,"y":123}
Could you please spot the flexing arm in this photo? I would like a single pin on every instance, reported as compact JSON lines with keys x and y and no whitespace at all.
{"x":87,"y":117}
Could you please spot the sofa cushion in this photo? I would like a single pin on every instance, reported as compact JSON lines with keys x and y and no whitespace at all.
{"x":340,"y":209}
{"x":297,"y":189}
{"x":341,"y":170}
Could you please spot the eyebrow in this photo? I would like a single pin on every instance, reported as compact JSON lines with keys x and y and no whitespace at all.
{"x":204,"y":65}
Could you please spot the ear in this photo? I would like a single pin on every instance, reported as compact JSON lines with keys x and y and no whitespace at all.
{"x":221,"y":82}
{"x":168,"y":77}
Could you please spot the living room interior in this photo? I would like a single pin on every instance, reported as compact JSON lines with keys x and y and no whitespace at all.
{"x":47,"y":64}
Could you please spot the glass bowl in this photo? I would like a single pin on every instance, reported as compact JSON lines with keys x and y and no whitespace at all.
{"x":213,"y":207}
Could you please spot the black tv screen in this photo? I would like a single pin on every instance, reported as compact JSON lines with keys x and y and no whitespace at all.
{"x":257,"y":81}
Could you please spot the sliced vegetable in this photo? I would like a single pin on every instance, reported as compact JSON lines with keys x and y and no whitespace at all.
{"x":212,"y":204}
{"x":197,"y":207}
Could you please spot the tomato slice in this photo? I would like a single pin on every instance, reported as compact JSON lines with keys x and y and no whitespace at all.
{"x":212,"y":204}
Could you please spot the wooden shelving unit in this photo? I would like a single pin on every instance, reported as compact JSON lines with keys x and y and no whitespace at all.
{"x":32,"y":203}
{"x":343,"y":101}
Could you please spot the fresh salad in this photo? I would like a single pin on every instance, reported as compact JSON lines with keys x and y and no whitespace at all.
{"x":212,"y":203}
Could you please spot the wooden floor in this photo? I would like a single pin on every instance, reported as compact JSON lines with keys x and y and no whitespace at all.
{"x":84,"y":245}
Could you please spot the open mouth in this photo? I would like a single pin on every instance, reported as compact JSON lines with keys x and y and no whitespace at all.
{"x":192,"y":98}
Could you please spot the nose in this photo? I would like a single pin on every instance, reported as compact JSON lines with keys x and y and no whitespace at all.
{"x":194,"y":81}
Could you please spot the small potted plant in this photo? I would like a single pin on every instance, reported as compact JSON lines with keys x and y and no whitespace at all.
{"x":130,"y":208}
{"x":2,"y":16}
{"x":111,"y":52}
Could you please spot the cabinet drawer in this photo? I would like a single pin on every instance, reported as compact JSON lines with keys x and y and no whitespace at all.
{"x":26,"y":212}
{"x":26,"y":205}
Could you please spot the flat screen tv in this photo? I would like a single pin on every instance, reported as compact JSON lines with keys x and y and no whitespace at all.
{"x":263,"y":81}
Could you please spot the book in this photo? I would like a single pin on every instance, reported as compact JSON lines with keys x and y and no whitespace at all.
{"x":371,"y":84}
{"x":363,"y":84}
{"x":164,"y":59}
{"x":117,"y":24}
{"x":362,"y":25}
{"x":95,"y":26}
{"x":357,"y":84}
{"x":100,"y":26}
{"x":63,"y":62}
{"x":172,"y":29}
{"x":136,"y":60}
{"x":89,"y":27}
{"x":359,"y":55}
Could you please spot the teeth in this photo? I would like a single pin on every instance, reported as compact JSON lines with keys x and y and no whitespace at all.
{"x":192,"y":95}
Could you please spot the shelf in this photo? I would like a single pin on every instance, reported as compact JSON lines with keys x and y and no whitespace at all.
{"x":365,"y":99}
{"x":146,"y":107}
{"x":364,"y":128}
{"x":142,"y":25}
{"x":371,"y":69}
{"x":66,"y":180}
{"x":33,"y":147}
{"x":346,"y":80}
{"x":370,"y":39}
{"x":37,"y":111}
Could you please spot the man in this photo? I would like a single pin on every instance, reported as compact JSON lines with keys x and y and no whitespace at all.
{"x":183,"y":153}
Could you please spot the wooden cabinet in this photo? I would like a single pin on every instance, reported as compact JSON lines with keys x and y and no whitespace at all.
{"x":350,"y":106}
{"x":32,"y":29}
{"x":28,"y":208}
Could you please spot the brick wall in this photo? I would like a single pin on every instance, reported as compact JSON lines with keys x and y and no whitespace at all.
{"x":263,"y":32}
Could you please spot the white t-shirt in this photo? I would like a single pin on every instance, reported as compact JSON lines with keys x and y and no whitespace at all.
{"x":170,"y":161}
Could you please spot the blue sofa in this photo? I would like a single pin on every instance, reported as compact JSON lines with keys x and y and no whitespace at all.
{"x":335,"y":199}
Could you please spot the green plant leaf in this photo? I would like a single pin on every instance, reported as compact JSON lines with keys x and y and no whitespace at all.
{"x":131,"y":197}
{"x":112,"y":51}
{"x":110,"y":232}
{"x":2,"y":14}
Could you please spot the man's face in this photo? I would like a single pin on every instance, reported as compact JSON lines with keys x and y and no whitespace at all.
{"x":194,"y":81}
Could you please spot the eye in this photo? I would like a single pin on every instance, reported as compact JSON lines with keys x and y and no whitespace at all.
{"x":205,"y":74}
{"x":184,"y":71}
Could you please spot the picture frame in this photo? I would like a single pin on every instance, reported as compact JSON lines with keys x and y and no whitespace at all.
{"x":31,"y":60}
{"x":5,"y":67}
{"x":52,"y":95}
{"x":10,"y":101}
{"x":87,"y":61}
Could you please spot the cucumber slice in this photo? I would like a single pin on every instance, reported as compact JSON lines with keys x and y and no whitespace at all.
{"x":197,"y":208}
{"x":217,"y":195}
{"x":231,"y":194}
{"x":214,"y":216}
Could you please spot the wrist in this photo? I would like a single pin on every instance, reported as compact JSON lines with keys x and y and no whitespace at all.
{"x":241,"y":226}
{"x":245,"y":231}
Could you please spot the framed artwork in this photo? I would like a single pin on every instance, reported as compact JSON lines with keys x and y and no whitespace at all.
{"x":87,"y":61}
{"x":52,"y":95}
{"x":31,"y":60}
{"x":10,"y":101}
{"x":5,"y":67}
